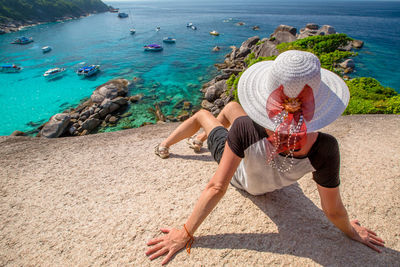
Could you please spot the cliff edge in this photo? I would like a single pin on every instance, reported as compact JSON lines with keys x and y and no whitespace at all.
{"x":97,"y":199}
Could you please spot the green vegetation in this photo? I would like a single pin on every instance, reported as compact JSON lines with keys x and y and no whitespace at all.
{"x":47,"y":10}
{"x":367,"y":95}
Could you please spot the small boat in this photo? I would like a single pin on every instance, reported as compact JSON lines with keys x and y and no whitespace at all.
{"x":23,"y":40}
{"x":10,"y":68}
{"x":114,"y":10}
{"x":132,"y":30}
{"x":153,"y":47}
{"x":189,"y":25}
{"x":122,"y":15}
{"x":52,"y":73}
{"x":88,"y":71}
{"x":215,"y":33}
{"x":158,"y":28}
{"x":169,"y":40}
{"x":46,"y":49}
{"x":193,"y":27}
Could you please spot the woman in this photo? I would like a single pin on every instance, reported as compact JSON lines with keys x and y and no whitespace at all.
{"x":273,"y":142}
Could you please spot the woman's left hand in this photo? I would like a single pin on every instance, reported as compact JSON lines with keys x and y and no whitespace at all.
{"x":366,"y":236}
{"x":171,"y":243}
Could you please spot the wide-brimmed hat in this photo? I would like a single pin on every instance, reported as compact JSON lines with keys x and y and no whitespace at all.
{"x":294,"y":76}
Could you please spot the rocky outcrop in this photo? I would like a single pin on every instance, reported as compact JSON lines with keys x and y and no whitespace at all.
{"x":284,"y":34}
{"x":217,"y":93}
{"x":312,"y":29}
{"x":56,"y":126}
{"x":105,"y":100}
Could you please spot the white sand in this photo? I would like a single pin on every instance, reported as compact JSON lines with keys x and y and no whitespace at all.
{"x":97,"y":199}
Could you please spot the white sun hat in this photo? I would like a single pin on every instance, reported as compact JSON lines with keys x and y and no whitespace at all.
{"x":292,"y":71}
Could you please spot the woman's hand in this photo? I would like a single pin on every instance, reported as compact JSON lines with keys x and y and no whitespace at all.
{"x":366,"y":236}
{"x":171,"y":243}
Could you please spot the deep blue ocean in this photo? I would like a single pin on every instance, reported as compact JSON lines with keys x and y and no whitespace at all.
{"x":27,"y":99}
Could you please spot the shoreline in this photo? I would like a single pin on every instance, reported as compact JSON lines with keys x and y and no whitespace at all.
{"x":16,"y":26}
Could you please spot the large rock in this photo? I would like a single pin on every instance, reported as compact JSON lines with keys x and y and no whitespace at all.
{"x":249,"y":43}
{"x":90,"y":124}
{"x":266,"y":49}
{"x":284,"y":37}
{"x":243,"y":52}
{"x":326,"y":30}
{"x":110,"y":90}
{"x":312,"y":26}
{"x":357,"y":43}
{"x":285,"y":28}
{"x":348,"y":63}
{"x":56,"y":125}
{"x":213,"y":92}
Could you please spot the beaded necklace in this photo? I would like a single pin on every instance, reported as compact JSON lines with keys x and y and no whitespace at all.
{"x":286,"y":164}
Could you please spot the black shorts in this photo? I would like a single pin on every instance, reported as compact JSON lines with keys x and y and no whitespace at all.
{"x":216,"y":142}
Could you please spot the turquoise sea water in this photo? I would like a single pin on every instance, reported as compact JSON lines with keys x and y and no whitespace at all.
{"x":176,"y":73}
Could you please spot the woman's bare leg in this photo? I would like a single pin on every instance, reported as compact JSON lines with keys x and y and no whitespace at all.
{"x":226,"y":117}
{"x":202,"y":119}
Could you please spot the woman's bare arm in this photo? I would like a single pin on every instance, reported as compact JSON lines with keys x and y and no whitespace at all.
{"x":175,"y":239}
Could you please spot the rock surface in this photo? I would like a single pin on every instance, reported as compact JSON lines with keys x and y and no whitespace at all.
{"x":56,"y":126}
{"x":96,"y":200}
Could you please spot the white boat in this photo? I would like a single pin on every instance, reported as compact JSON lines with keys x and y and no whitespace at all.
{"x":193,"y":27}
{"x":189,"y":25}
{"x":215,"y":33}
{"x":158,"y":28}
{"x":88,"y":71}
{"x":169,"y":40}
{"x":52,"y":73}
{"x":10,"y":68}
{"x":132,"y":30}
{"x":46,"y":49}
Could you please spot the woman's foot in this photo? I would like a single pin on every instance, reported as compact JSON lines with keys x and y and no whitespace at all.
{"x":194,"y":143}
{"x":162,"y":151}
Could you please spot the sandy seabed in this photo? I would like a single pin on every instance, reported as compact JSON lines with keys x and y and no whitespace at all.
{"x":95,"y":200}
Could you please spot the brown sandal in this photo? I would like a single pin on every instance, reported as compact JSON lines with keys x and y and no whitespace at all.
{"x":194,"y":144}
{"x":161,"y":151}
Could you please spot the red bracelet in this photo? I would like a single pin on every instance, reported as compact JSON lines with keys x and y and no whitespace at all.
{"x":190,"y":241}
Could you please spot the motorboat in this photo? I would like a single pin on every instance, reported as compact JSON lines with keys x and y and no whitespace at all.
{"x":153,"y":47}
{"x":193,"y":27}
{"x":10,"y":68}
{"x":22,"y":40}
{"x":114,"y":10}
{"x":88,"y":71}
{"x":122,"y":15}
{"x":169,"y":40}
{"x":132,"y":30}
{"x":158,"y":28}
{"x":46,"y":49}
{"x":52,"y":73}
{"x":189,"y":25}
{"x":215,"y":33}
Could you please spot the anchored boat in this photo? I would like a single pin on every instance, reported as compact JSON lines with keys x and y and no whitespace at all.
{"x":22,"y":40}
{"x":169,"y":40}
{"x":215,"y":33}
{"x":10,"y":68}
{"x":46,"y":49}
{"x":122,"y":15}
{"x":88,"y":71}
{"x":53,"y":73}
{"x":153,"y":47}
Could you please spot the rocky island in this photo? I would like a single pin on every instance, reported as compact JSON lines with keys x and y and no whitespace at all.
{"x":18,"y":13}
